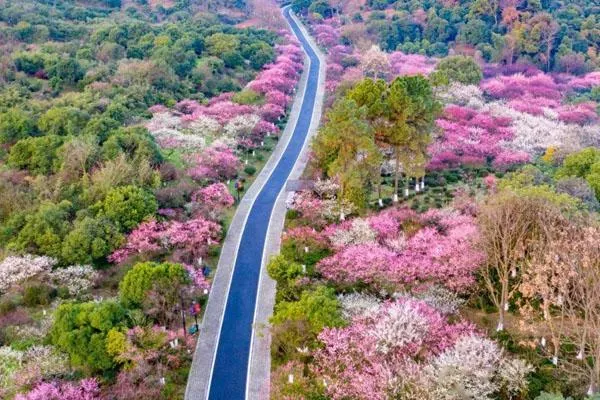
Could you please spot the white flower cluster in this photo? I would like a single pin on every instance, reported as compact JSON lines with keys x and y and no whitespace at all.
{"x":326,"y":188}
{"x":10,"y":362}
{"x":78,"y":279}
{"x":463,"y":95}
{"x":400,"y":326}
{"x":241,"y":125}
{"x":360,"y":232}
{"x":15,"y":269}
{"x":47,"y":359}
{"x":534,"y":134}
{"x":445,"y":301}
{"x":204,"y":126}
{"x":358,"y":305}
{"x":474,"y":368}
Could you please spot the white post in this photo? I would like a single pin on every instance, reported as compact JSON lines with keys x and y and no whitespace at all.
{"x":395,"y":199}
{"x":500,"y":327}
{"x":417,"y":185}
{"x":291,"y":378}
{"x":306,"y":249}
{"x":381,"y":202}
{"x":342,"y":216}
{"x":303,"y":268}
{"x":422,"y":183}
{"x":543,"y":342}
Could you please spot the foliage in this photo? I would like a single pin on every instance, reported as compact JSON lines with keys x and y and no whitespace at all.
{"x":127,"y":206}
{"x":460,"y":69}
{"x":80,"y":329}
{"x":139,"y":280}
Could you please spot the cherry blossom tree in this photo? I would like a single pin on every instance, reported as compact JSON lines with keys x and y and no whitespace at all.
{"x":87,"y":389}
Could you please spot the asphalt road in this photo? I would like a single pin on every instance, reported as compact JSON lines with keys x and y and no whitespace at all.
{"x":230,"y":368}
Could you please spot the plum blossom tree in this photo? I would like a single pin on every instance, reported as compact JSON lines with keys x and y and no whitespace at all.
{"x":191,"y":238}
{"x":87,"y":389}
{"x":378,"y":354}
{"x":475,"y":368}
{"x":16,"y":269}
{"x":213,"y":199}
{"x":214,"y":164}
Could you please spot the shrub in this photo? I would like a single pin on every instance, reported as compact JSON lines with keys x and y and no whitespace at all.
{"x":250,"y":169}
{"x":38,"y":294}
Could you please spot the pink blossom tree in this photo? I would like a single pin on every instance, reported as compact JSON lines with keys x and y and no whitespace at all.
{"x":214,"y":164}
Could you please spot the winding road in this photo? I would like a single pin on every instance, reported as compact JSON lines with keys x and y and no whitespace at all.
{"x":226,"y":350}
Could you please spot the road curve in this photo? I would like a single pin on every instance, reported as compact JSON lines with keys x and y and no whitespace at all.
{"x":226,"y":347}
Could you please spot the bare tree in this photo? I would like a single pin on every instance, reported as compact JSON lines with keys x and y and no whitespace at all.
{"x":511,"y":225}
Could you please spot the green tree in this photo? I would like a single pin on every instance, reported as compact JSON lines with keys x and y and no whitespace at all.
{"x":15,"y":124}
{"x":44,"y":230}
{"x":319,"y":307}
{"x":81,"y":329}
{"x":36,"y":154}
{"x":285,"y":273}
{"x":127,"y":206}
{"x":345,"y":146}
{"x":583,"y":164}
{"x":411,"y":111}
{"x":91,"y":240}
{"x":460,"y":69}
{"x":139,"y":280}
{"x":63,"y":121}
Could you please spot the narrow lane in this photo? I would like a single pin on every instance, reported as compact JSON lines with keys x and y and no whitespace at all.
{"x":231,"y":362}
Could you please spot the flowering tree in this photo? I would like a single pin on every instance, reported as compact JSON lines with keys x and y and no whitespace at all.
{"x":474,"y":368}
{"x":446,"y":254}
{"x":192,"y":238}
{"x":472,"y":137}
{"x":377,"y":353}
{"x":213,"y":199}
{"x":215,"y":163}
{"x":87,"y":389}
{"x":78,"y":279}
{"x":16,"y":269}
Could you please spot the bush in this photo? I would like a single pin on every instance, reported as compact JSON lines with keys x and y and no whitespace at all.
{"x":250,"y":170}
{"x":38,"y":295}
{"x":91,"y":240}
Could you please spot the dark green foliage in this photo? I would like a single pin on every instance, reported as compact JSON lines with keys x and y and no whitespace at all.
{"x":15,"y":124}
{"x":44,"y":230}
{"x":250,"y":169}
{"x":80,"y":330}
{"x":38,"y":294}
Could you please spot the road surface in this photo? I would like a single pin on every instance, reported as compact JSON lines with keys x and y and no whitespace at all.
{"x":230,"y":347}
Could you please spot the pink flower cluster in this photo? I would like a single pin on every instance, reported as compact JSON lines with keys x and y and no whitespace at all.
{"x":363,"y":359}
{"x":214,"y":164}
{"x":519,"y":85}
{"x":442,"y":250}
{"x":327,"y":32}
{"x":472,"y":137}
{"x":193,"y":237}
{"x":87,"y":389}
{"x":411,"y":64}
